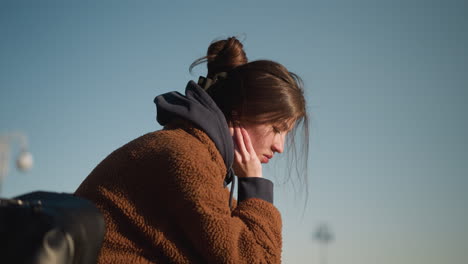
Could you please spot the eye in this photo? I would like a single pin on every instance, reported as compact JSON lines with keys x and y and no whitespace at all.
{"x":276,"y":130}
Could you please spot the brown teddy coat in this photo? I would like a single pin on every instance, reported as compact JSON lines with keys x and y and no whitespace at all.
{"x":163,"y":200}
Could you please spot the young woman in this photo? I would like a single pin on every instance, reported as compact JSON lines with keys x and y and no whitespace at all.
{"x":164,"y":195}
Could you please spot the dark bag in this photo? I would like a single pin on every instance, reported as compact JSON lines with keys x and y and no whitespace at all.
{"x":46,"y":227}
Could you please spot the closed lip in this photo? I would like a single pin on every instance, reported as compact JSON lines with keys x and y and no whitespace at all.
{"x":268,"y":156}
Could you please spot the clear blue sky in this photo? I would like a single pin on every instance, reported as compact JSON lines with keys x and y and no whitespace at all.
{"x":387,"y":88}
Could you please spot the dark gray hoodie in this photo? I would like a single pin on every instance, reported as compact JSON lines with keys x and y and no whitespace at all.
{"x":197,"y":107}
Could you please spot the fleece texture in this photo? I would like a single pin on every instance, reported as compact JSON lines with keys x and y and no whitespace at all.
{"x":164,"y":201}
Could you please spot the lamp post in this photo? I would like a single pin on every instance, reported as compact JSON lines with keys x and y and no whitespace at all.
{"x":24,"y":160}
{"x":324,"y":236}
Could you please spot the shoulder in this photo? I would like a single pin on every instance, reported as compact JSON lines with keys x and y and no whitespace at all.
{"x":182,"y":152}
{"x":187,"y":143}
{"x":174,"y":139}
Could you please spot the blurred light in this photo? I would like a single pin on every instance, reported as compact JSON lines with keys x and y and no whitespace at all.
{"x":25,"y":161}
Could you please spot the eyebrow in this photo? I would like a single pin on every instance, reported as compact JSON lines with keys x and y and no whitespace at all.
{"x":284,"y":126}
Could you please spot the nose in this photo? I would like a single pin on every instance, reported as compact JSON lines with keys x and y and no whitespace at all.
{"x":278,"y":144}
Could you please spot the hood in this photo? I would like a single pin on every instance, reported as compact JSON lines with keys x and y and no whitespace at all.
{"x":197,"y":107}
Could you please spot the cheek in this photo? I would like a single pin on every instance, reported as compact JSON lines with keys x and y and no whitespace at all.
{"x":260,"y":144}
{"x":256,"y":142}
{"x":260,"y":139}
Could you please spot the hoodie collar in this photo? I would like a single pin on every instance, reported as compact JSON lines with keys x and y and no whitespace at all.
{"x":197,"y":107}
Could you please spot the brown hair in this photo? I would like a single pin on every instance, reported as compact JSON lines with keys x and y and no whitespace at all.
{"x":259,"y":92}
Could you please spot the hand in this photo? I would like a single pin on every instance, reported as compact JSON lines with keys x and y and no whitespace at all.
{"x":246,"y":162}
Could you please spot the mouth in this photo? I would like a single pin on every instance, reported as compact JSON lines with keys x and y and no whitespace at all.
{"x":267,"y":158}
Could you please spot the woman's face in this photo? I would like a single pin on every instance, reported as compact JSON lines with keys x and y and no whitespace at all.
{"x":267,"y":139}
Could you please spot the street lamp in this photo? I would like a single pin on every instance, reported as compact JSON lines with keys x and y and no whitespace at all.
{"x":24,"y":161}
{"x":324,"y":236}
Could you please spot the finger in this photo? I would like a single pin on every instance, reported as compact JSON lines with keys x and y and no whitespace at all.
{"x":240,"y":141}
{"x":238,"y":165}
{"x":237,"y":156}
{"x":240,"y":154}
{"x":248,"y":142}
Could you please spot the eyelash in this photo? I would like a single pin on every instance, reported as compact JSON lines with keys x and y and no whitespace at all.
{"x":276,"y":130}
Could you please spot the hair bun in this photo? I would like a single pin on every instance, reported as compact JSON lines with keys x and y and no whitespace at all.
{"x":224,"y":55}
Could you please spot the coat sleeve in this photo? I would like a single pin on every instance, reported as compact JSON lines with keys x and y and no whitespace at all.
{"x":251,"y":233}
